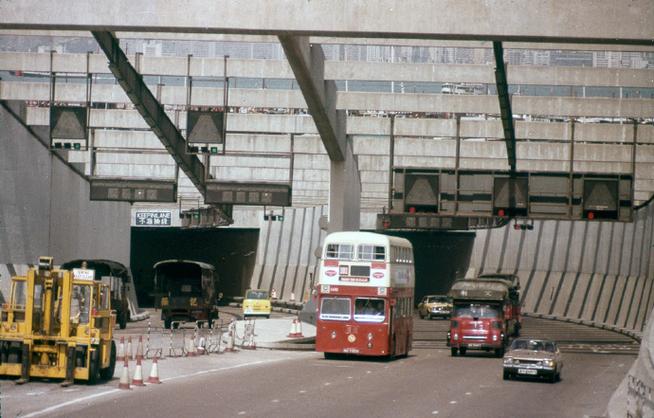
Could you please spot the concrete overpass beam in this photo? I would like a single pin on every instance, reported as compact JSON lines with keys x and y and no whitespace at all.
{"x":308,"y":64}
{"x":344,"y":193}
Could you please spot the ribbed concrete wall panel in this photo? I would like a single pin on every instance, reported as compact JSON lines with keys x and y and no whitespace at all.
{"x":45,"y":207}
{"x":626,"y":300}
{"x":285,"y":255}
{"x":545,"y":301}
{"x":598,"y":271}
{"x":563,"y":292}
{"x":577,"y":295}
{"x":533,"y":287}
{"x":592,"y":295}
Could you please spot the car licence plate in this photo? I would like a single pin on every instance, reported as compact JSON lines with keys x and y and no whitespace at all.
{"x":474,"y":345}
{"x":527,"y":371}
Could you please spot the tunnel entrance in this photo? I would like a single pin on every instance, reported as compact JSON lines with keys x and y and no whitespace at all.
{"x":440,"y":257}
{"x":231,"y":251}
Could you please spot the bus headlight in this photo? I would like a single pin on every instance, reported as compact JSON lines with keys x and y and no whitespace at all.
{"x":333,"y":335}
{"x":370,"y":336}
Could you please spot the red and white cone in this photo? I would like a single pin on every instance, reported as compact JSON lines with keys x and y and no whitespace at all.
{"x":295,"y":329}
{"x":130,"y":350}
{"x":230,"y":339}
{"x":124,"y":377}
{"x":191,"y":350}
{"x":138,"y":374}
{"x":139,"y":349}
{"x":154,"y":372}
{"x":299,"y":329}
{"x":121,"y":350}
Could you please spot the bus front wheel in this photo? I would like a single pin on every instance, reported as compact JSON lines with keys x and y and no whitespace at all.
{"x":454,"y":351}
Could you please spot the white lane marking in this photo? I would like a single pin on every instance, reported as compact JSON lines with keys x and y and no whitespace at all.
{"x":303,"y":391}
{"x":168,"y":379}
{"x":452,"y":402}
{"x":327,"y":383}
{"x":468,"y":393}
{"x":350,"y":377}
{"x":242,"y":413}
{"x":71,"y":402}
{"x":434,"y":412}
{"x":35,"y":393}
{"x":275,"y":401}
{"x":368,"y":372}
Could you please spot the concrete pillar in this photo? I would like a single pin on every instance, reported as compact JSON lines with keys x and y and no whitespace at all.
{"x":344,"y":193}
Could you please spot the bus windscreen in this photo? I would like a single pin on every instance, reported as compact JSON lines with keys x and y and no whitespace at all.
{"x":336,"y":309}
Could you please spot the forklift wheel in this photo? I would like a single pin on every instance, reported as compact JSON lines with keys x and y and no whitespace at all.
{"x":122,"y":322}
{"x":108,"y":373}
{"x":94,"y":367}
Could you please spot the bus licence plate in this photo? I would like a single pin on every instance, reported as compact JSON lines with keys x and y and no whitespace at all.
{"x":527,"y":371}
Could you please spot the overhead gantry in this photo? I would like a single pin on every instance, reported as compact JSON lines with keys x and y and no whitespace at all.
{"x":308,"y":64}
{"x":623,"y":24}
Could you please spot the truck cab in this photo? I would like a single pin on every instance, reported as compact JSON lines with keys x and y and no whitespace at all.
{"x":482,"y":317}
{"x":186,"y":291}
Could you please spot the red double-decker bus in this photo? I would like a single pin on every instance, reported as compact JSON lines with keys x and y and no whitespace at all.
{"x":365,"y":298}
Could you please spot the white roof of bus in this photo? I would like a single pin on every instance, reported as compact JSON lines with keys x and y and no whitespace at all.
{"x":346,"y":237}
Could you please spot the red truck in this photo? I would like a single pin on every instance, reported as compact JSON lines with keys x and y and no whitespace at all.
{"x":486,"y":310}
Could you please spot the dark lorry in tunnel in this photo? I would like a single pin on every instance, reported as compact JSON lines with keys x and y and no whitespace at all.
{"x":186,"y":291}
{"x":486,"y":310}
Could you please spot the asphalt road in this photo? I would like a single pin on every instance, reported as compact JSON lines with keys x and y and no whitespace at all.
{"x":428,"y":383}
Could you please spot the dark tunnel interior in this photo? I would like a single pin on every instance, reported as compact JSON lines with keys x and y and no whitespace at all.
{"x":231,"y":251}
{"x":440,"y":257}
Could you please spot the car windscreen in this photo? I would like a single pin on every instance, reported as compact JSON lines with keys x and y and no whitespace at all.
{"x":335,"y":309}
{"x":437,"y":299}
{"x":476,"y":310}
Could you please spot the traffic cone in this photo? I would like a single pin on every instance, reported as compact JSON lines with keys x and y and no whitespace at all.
{"x":296,"y":329}
{"x":138,"y":374}
{"x":230,"y":339}
{"x":154,"y":372}
{"x":124,"y":377}
{"x":121,"y":350}
{"x":130,"y":351}
{"x":191,"y":351}
{"x":139,"y":349}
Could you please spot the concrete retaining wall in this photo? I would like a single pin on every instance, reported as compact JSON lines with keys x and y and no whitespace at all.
{"x":45,"y":207}
{"x":285,"y":257}
{"x":602,"y":272}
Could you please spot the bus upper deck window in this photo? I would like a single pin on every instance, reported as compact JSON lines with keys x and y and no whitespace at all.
{"x":372,"y":252}
{"x":340,"y":251}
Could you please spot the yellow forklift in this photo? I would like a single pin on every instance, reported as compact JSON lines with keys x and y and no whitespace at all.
{"x":58,"y":324}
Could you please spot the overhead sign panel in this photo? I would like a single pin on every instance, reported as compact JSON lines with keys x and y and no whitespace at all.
{"x":257,"y":194}
{"x":205,"y":132}
{"x":601,"y":198}
{"x":522,"y":195}
{"x":134,"y":190}
{"x":421,"y":192}
{"x":68,"y":127}
{"x":510,"y":196}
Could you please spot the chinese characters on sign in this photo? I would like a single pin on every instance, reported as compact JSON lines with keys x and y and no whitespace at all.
{"x":160,"y":218}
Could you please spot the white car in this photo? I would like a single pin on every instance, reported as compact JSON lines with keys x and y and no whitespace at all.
{"x":529,"y":357}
